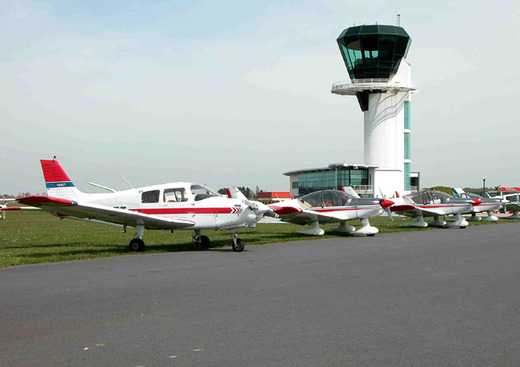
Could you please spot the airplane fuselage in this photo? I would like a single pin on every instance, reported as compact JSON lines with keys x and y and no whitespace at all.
{"x":179,"y":201}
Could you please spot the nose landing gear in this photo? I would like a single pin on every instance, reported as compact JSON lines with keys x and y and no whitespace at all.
{"x":236,"y":243}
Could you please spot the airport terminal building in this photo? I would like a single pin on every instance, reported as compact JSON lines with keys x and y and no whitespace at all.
{"x":359,"y":176}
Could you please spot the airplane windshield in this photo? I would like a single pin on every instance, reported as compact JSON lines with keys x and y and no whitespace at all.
{"x":200,"y":192}
{"x":430,"y":197}
{"x":325,"y":198}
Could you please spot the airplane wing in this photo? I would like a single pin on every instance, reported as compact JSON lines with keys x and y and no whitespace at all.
{"x":87,"y":211}
{"x":414,"y":210}
{"x":307,"y":216}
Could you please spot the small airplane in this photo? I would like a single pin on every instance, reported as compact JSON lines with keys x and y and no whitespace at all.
{"x":171,"y":206}
{"x":488,"y":205}
{"x":512,"y":204}
{"x":331,"y":206}
{"x":432,"y":203}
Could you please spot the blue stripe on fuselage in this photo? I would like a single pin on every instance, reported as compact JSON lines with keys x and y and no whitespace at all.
{"x":50,"y":185}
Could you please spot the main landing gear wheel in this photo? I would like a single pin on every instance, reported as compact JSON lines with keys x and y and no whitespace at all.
{"x":202,"y":242}
{"x":136,"y":244}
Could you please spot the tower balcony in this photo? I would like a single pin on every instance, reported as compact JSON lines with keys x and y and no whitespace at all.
{"x":350,"y":88}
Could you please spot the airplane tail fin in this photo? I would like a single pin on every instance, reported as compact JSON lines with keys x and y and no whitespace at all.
{"x":58,"y":183}
{"x":457,"y":190}
{"x":349,"y":190}
{"x":235,"y":193}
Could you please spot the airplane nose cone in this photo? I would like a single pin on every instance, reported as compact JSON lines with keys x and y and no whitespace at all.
{"x":477,"y":202}
{"x":386,"y":203}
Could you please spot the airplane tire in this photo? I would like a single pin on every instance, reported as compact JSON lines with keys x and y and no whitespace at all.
{"x":203,"y":242}
{"x":237,"y":245}
{"x":136,"y":244}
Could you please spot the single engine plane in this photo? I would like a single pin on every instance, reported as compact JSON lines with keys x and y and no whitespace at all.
{"x":331,"y":206}
{"x":432,"y":203}
{"x":487,"y":205}
{"x":171,"y":206}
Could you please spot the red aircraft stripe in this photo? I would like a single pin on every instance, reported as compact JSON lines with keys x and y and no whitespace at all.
{"x":163,"y":211}
{"x":335,"y":210}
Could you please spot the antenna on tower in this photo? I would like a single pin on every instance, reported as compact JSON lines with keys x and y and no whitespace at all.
{"x":398,"y":15}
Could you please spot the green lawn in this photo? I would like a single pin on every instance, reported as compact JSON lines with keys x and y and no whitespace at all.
{"x":30,"y":237}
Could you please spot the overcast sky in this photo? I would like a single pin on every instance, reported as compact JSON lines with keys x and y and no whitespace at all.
{"x":238,"y":92}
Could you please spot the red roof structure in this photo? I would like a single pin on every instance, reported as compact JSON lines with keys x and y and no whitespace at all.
{"x":273,"y":195}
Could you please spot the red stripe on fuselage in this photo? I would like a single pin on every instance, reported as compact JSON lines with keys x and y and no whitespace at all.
{"x":165,"y":211}
{"x":336,"y":210}
{"x":441,"y":206}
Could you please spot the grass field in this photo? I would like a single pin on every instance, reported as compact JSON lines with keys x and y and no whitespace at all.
{"x":31,"y":237}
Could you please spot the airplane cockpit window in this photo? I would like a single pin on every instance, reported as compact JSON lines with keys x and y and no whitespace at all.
{"x":340,"y":198}
{"x":148,"y":197}
{"x":438,"y":197}
{"x":200,"y":192}
{"x":419,"y":198}
{"x":313,"y":199}
{"x":174,"y":195}
{"x":471,"y":195}
{"x":325,"y":198}
{"x":430,"y":197}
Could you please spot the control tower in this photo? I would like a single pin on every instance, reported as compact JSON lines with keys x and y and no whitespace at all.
{"x":380,"y":78}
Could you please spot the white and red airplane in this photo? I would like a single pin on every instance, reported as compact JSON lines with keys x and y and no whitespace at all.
{"x":171,"y":206}
{"x":488,"y":205}
{"x":331,"y":206}
{"x":432,"y":203}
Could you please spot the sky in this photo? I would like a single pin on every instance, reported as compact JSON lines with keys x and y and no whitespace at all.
{"x":238,"y":92}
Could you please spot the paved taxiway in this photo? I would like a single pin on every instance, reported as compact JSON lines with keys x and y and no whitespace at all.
{"x":427,"y":298}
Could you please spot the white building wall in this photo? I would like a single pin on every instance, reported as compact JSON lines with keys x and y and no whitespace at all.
{"x":384,"y":135}
{"x":293,"y":178}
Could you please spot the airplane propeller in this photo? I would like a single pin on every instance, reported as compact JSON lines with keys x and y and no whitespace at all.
{"x":386,"y":204}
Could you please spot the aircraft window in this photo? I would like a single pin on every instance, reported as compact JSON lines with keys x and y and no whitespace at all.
{"x":439,"y":197}
{"x":201,"y":192}
{"x":150,"y":196}
{"x":312,"y":199}
{"x":327,"y":198}
{"x":174,"y":195}
{"x":430,"y":197}
{"x":339,"y":198}
{"x":473,"y":196}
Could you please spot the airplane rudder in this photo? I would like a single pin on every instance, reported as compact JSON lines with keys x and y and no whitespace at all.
{"x":53,"y":171}
{"x":57,"y":181}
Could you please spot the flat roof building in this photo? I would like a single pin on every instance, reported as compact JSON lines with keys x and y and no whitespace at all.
{"x":336,"y":175}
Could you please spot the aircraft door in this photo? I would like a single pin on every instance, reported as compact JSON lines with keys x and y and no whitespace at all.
{"x":176,"y":203}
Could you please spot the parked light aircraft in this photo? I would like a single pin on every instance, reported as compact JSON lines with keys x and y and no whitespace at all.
{"x":331,"y":206}
{"x":488,"y":205}
{"x":512,"y":205}
{"x":431,"y":203}
{"x":172,"y":206}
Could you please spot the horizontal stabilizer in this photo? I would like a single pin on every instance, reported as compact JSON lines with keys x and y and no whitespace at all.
{"x":39,"y":200}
